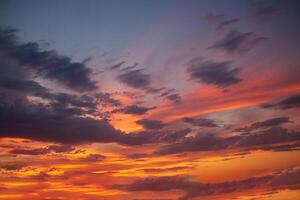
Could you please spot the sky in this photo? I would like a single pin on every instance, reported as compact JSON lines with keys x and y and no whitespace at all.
{"x":140,"y":100}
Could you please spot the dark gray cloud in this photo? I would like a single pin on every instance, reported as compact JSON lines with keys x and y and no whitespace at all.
{"x":135,"y":79}
{"x":38,"y":122}
{"x":138,"y":79}
{"x":47,"y":64}
{"x":201,"y":122}
{"x":238,"y":42}
{"x":206,"y":142}
{"x":169,"y":94}
{"x":288,"y":103}
{"x":265,"y":124}
{"x":16,"y":83}
{"x":55,"y":117}
{"x":210,"y":142}
{"x":151,"y":124}
{"x":175,"y":98}
{"x":215,"y":73}
{"x":136,"y":110}
{"x":24,"y":119}
{"x":106,"y":99}
{"x":284,"y":179}
{"x":117,"y":66}
{"x":226,"y":23}
{"x":154,"y":136}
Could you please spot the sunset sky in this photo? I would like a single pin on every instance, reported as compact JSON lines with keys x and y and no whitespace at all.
{"x":149,"y":100}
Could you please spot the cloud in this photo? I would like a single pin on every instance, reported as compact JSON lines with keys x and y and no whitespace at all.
{"x":210,"y":142}
{"x":106,"y":99}
{"x":137,"y":155}
{"x":175,"y":98}
{"x":237,"y":42}
{"x":25,"y":116}
{"x":201,"y":122}
{"x":153,"y":136}
{"x":117,"y":66}
{"x":38,"y":122}
{"x":226,"y":23}
{"x":215,"y":73}
{"x":45,"y":150}
{"x":169,"y":94}
{"x":288,"y":103}
{"x":151,"y":124}
{"x":60,"y":148}
{"x":39,"y":151}
{"x":265,"y":124}
{"x":135,"y":79}
{"x":16,"y":82}
{"x":156,"y":184}
{"x":284,"y":179}
{"x":94,"y":158}
{"x":23,"y":119}
{"x":12,"y":166}
{"x":136,"y":110}
{"x":48,"y":64}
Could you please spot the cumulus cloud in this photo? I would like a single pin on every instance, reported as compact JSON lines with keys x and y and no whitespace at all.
{"x":215,"y":73}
